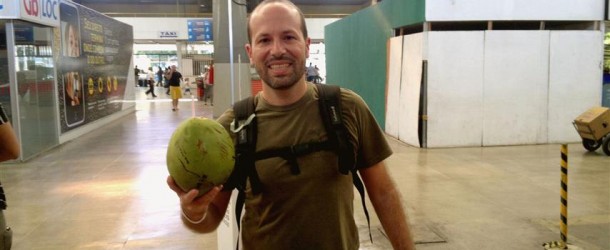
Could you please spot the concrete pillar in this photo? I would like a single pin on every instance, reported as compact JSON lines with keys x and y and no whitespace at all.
{"x":180,"y":50}
{"x":231,"y":83}
{"x":231,"y":64}
{"x":185,"y":66}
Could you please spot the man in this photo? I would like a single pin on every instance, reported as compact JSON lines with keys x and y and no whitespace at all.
{"x":173,"y":78}
{"x":160,"y":76}
{"x":150,"y":79}
{"x":311,"y":73}
{"x":208,"y":92}
{"x":136,"y":72}
{"x":314,"y":209}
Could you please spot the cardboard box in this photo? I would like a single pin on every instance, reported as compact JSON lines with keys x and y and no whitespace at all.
{"x":594,"y":123}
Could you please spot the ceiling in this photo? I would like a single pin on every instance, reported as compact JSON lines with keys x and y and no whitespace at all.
{"x":298,"y":2}
{"x":203,"y":8}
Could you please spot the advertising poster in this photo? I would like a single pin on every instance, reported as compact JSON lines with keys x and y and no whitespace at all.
{"x":92,"y":66}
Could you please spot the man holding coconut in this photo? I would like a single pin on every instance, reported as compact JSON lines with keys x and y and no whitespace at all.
{"x":314,"y":209}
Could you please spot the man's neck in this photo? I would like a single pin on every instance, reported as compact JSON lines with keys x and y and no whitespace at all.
{"x":284,"y":97}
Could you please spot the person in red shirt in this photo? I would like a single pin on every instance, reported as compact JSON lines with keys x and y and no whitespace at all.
{"x":208,"y":92}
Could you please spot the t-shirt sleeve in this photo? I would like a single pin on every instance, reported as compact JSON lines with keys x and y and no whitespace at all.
{"x":225,"y":120}
{"x":368,"y":139}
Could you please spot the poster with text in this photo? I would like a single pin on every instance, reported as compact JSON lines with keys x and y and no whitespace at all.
{"x":92,"y":66}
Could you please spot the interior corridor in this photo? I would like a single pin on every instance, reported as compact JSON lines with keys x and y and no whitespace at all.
{"x":107,"y":190}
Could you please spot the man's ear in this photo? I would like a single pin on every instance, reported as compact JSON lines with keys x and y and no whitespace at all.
{"x":307,"y":42}
{"x":249,"y":51}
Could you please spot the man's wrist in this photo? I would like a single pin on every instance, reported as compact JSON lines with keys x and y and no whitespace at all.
{"x":186,"y":217}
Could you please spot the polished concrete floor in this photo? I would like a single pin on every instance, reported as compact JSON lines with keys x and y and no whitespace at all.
{"x":106,"y":190}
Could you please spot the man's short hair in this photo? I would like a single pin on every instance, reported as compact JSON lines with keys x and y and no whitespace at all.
{"x":286,"y":2}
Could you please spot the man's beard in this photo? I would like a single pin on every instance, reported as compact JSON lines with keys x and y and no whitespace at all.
{"x":283,"y":82}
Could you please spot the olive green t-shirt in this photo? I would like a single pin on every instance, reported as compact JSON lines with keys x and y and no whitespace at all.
{"x":312,"y":210}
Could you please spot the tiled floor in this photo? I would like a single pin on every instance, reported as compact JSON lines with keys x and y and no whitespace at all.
{"x":106,"y":190}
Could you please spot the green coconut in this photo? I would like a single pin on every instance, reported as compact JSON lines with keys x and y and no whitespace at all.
{"x":200,"y":155}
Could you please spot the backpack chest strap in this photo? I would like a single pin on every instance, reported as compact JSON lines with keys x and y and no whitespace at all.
{"x":291,"y":153}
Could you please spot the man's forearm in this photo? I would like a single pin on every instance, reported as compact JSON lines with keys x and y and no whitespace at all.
{"x":387,"y":203}
{"x":391,"y":213}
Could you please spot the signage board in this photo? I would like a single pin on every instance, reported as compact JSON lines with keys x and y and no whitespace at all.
{"x":8,"y":9}
{"x":200,"y":30}
{"x":39,"y":11}
{"x":168,"y":34}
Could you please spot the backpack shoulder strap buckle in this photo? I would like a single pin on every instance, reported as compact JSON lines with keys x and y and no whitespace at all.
{"x":241,"y":124}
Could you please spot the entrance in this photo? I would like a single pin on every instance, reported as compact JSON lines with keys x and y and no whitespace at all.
{"x":27,"y":84}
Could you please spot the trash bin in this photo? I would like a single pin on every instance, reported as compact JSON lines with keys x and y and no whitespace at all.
{"x":199,"y":81}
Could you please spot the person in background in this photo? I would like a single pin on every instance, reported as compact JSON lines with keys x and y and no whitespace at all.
{"x":150,"y":79}
{"x":166,"y":80}
{"x":208,"y":92}
{"x":174,"y":77}
{"x":317,"y":78}
{"x":311,"y":73}
{"x":9,"y":149}
{"x":136,"y":72}
{"x":160,"y":76}
{"x":312,"y":209}
{"x":187,"y":86}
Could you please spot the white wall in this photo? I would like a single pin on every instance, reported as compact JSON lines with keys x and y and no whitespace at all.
{"x":149,"y":28}
{"x":393,"y":86}
{"x":490,"y":88}
{"x":574,"y":80}
{"x":515,"y":87}
{"x":455,"y":88}
{"x":410,"y":86}
{"x":464,"y":10}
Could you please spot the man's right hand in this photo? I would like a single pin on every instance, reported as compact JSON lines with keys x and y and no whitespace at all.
{"x":195,"y":208}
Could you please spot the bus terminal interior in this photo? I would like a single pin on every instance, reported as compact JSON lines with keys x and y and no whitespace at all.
{"x":478,"y":102}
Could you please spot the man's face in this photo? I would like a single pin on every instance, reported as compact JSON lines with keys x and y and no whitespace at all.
{"x":278,"y":49}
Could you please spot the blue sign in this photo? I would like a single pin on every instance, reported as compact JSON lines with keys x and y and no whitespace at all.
{"x":200,"y":30}
{"x":606,"y":91}
{"x":24,"y":33}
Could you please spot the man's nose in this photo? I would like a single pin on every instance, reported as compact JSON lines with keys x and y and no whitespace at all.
{"x":278,"y":48}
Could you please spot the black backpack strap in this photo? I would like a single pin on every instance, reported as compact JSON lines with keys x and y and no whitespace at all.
{"x":330,"y":110}
{"x":245,"y":127}
{"x":360,"y":187}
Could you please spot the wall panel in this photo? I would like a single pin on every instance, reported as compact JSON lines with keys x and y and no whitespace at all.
{"x":393,"y":86}
{"x":469,"y":10}
{"x":515,"y":87}
{"x":455,"y":88}
{"x":409,"y":89}
{"x":575,"y":80}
